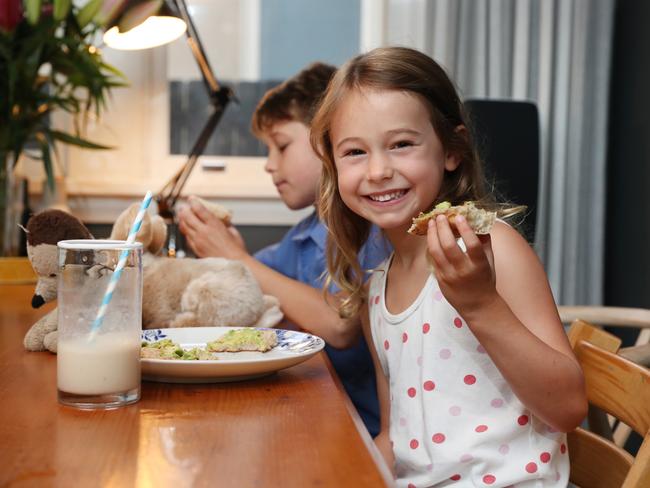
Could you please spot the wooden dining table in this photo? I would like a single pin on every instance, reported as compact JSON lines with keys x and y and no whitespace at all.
{"x":294,"y":428}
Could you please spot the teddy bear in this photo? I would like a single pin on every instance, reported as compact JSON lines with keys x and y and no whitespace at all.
{"x":176,"y":292}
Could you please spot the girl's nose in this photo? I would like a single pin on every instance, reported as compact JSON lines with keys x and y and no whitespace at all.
{"x":379,"y":168}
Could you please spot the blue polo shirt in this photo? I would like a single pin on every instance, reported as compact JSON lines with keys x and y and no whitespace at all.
{"x":301,"y":255}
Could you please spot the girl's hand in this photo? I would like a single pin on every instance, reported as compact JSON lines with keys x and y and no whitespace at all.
{"x":466,"y":279}
{"x":207,"y":235}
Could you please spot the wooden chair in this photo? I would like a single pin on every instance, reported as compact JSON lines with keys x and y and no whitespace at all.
{"x":621,"y":388}
{"x":634,"y":318}
{"x":16,"y":271}
{"x":616,"y":316}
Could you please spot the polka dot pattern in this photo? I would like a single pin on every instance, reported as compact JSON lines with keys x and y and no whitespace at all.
{"x":489,"y":479}
{"x":466,"y":458}
{"x":438,"y":438}
{"x":469,"y":379}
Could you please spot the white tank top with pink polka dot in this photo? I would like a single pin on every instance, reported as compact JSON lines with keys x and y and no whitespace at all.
{"x":454,"y":421}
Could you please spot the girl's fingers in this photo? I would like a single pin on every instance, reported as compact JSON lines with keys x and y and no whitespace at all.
{"x":453,"y":253}
{"x":477,"y":247}
{"x":438,"y":258}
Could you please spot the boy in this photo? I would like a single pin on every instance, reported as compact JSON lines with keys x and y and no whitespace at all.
{"x":293,"y":269}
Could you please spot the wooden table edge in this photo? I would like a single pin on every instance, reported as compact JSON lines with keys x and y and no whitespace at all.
{"x":360,"y":426}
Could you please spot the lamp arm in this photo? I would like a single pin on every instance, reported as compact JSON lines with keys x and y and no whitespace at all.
{"x":219,"y":98}
{"x":194,"y":41}
{"x":171,"y":191}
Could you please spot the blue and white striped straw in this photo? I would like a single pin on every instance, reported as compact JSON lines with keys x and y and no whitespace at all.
{"x":120,"y":265}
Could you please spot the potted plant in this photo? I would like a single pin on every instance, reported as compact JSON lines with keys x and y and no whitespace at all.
{"x":48,"y":62}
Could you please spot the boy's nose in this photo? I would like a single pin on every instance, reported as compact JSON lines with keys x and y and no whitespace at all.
{"x":271,"y":164}
{"x":379,"y":168}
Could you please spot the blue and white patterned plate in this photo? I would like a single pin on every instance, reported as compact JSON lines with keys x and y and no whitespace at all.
{"x":293,"y":348}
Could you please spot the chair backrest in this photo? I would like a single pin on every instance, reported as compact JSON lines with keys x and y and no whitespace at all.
{"x":626,"y":317}
{"x":507,"y":134}
{"x":622,"y":389}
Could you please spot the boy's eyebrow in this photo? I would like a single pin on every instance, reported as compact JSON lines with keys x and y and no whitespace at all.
{"x":391,"y":132}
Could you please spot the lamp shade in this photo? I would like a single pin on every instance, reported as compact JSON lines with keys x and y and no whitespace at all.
{"x":147,"y":24}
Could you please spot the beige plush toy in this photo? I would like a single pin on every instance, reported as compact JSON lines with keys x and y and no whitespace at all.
{"x":177,"y":292}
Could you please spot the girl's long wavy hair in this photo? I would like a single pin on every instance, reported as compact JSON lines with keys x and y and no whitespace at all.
{"x":406,"y":70}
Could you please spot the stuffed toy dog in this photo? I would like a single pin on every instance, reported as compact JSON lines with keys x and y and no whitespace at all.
{"x":176,"y":292}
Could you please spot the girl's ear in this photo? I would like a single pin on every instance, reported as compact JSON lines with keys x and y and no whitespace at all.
{"x":453,"y":159}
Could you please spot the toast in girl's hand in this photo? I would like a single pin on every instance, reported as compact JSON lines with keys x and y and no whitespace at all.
{"x":480,"y":220}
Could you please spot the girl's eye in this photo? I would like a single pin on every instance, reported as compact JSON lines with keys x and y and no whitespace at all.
{"x":282,"y":147}
{"x":401,"y":144}
{"x":353,"y":152}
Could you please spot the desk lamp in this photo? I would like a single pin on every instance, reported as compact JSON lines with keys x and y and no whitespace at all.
{"x":143,"y":24}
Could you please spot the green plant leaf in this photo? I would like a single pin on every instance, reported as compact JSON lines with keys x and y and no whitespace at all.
{"x":61,"y":9}
{"x":77,"y":141}
{"x":47,"y":162}
{"x":33,"y":10}
{"x":112,"y":69}
{"x":87,"y":12}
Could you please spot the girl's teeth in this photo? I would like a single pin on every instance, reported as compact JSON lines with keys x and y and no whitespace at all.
{"x":387,"y":196}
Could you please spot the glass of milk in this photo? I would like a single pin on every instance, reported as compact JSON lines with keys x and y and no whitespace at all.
{"x":100,"y":369}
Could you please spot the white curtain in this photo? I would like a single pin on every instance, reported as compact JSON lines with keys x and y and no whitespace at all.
{"x":556,"y":53}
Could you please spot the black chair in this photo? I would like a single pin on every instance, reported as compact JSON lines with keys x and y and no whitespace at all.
{"x":507,"y":136}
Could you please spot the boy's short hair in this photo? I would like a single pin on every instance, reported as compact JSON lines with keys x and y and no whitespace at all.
{"x":296,"y":99}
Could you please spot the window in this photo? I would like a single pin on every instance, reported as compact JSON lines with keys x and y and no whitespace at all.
{"x":252,"y":45}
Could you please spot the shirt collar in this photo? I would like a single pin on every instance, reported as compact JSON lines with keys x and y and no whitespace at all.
{"x":311,"y":228}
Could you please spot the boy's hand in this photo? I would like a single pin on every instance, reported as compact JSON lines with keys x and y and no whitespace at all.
{"x":466,"y":279}
{"x":207,"y":235}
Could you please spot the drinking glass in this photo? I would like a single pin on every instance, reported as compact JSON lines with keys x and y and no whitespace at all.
{"x":98,"y":359}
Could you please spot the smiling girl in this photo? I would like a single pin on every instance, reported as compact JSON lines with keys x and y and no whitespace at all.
{"x":477,"y":382}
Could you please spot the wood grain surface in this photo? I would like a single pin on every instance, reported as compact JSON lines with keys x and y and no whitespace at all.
{"x":292,"y":429}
